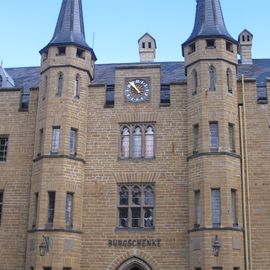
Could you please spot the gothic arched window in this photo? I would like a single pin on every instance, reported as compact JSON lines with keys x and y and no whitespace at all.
{"x":137,"y":142}
{"x":212,"y":78}
{"x":125,"y":142}
{"x":229,"y":80}
{"x":194,"y":82}
{"x":149,"y":142}
{"x":60,"y":84}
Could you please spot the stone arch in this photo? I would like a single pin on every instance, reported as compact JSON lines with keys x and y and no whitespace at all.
{"x":134,"y":263}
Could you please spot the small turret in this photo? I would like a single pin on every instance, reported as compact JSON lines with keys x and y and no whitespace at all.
{"x":245,"y":46}
{"x":147,"y":48}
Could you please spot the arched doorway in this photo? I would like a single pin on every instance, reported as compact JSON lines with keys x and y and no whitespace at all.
{"x":135,"y":264}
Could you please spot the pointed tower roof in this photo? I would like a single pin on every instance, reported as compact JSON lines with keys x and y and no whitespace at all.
{"x":209,"y":22}
{"x":70,"y":26}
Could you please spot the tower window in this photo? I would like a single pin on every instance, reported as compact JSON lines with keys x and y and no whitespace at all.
{"x":165,"y":94}
{"x":51,"y":207}
{"x":1,"y":204}
{"x":45,"y":55}
{"x":1,"y":81}
{"x":136,"y":206}
{"x":40,"y":143}
{"x":212,"y":78}
{"x":194,"y":82}
{"x":234,"y":207}
{"x":231,"y":137}
{"x":196,"y":138}
{"x":45,"y":87}
{"x":61,"y":51}
{"x":243,"y":38}
{"x":197,"y":195}
{"x":229,"y":80}
{"x":210,"y":43}
{"x":35,"y":210}
{"x":216,"y":208}
{"x":109,"y":102}
{"x":214,"y":136}
{"x":229,"y":46}
{"x":262,"y":93}
{"x":77,"y":86}
{"x":60,"y":84}
{"x":55,"y":140}
{"x":3,"y":147}
{"x":149,"y":45}
{"x":191,"y":48}
{"x":25,"y":100}
{"x":69,"y":209}
{"x":80,"y":53}
{"x":73,"y":142}
{"x":143,"y":45}
{"x":248,"y":38}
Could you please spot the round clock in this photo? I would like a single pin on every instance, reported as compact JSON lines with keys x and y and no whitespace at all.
{"x":137,"y":90}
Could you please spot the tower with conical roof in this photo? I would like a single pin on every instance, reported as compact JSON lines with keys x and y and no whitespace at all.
{"x":55,"y":219}
{"x":215,"y":217}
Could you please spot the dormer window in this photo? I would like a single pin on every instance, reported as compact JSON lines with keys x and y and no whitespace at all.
{"x":210,"y":44}
{"x":80,"y":53}
{"x":248,"y":38}
{"x":243,"y":38}
{"x":1,"y":81}
{"x":149,"y":45}
{"x":61,"y":51}
{"x":229,"y":46}
{"x":191,"y":48}
{"x":143,"y":45}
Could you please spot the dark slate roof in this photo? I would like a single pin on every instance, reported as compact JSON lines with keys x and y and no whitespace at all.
{"x":29,"y":77}
{"x":209,"y":22}
{"x":70,"y":26}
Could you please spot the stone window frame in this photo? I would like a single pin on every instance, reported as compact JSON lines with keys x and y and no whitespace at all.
{"x":216,"y":207}
{"x":35,"y":212}
{"x":234,"y":212}
{"x":229,"y":81}
{"x":194,"y":82}
{"x":131,"y":127}
{"x":3,"y":147}
{"x":51,"y":208}
{"x":135,"y":201}
{"x":73,"y":141}
{"x":231,"y":137}
{"x":60,"y":83}
{"x":69,"y":210}
{"x":213,"y":137}
{"x":77,"y":84}
{"x":196,"y":138}
{"x":55,"y":141}
{"x":212,"y":78}
{"x":197,"y":208}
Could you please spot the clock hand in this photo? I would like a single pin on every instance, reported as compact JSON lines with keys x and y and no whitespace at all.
{"x":135,"y":87}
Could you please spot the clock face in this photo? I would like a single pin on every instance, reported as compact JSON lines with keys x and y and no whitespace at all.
{"x":137,"y":90}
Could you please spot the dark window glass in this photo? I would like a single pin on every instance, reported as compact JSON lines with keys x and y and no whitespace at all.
{"x":194,"y":82}
{"x":165,"y":94}
{"x":216,"y":208}
{"x":262,"y":93}
{"x":138,"y":212}
{"x":1,"y":205}
{"x":25,"y":100}
{"x":191,"y":48}
{"x":109,"y":96}
{"x":196,"y":138}
{"x":51,"y":207}
{"x":1,"y":81}
{"x":212,"y":78}
{"x":210,"y":43}
{"x":40,"y":143}
{"x":149,"y":45}
{"x":35,"y":210}
{"x":143,"y":45}
{"x":61,"y":50}
{"x":80,"y":53}
{"x":3,"y":148}
{"x":197,"y":194}
{"x":229,"y":81}
{"x":229,"y":46}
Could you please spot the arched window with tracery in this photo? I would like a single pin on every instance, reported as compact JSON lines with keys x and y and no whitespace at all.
{"x":229,"y":81}
{"x":60,"y":84}
{"x":125,"y":142}
{"x":1,"y":81}
{"x":149,"y":142}
{"x":212,"y":78}
{"x":137,"y":142}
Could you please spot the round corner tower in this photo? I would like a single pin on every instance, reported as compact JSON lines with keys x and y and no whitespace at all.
{"x":215,"y":218}
{"x":55,"y":220}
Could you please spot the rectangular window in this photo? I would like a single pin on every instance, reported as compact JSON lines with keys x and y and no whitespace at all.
{"x":73,"y":142}
{"x":137,"y":141}
{"x":234,"y":207}
{"x":1,"y":205}
{"x":196,"y":138}
{"x":136,"y":206}
{"x":109,"y":102}
{"x":55,"y":140}
{"x":165,"y":95}
{"x":3,"y":147}
{"x":210,"y":43}
{"x":61,"y":51}
{"x":216,"y":208}
{"x":262,"y":93}
{"x":69,"y":209}
{"x":231,"y":138}
{"x":80,"y":53}
{"x":35,"y":210}
{"x":40,"y":143}
{"x":197,"y":208}
{"x":51,"y":207}
{"x":214,"y":136}
{"x":25,"y":100}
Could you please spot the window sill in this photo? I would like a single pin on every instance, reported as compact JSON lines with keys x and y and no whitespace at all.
{"x":120,"y":229}
{"x":165,"y":104}
{"x":23,"y":110}
{"x":108,"y":105}
{"x":136,"y":159}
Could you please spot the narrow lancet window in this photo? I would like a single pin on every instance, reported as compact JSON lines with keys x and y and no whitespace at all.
{"x":229,"y":80}
{"x":125,"y":142}
{"x":149,"y":142}
{"x":212,"y":78}
{"x":60,"y":84}
{"x":137,"y":142}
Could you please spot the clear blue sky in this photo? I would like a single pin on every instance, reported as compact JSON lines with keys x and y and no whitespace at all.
{"x":27,"y":26}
